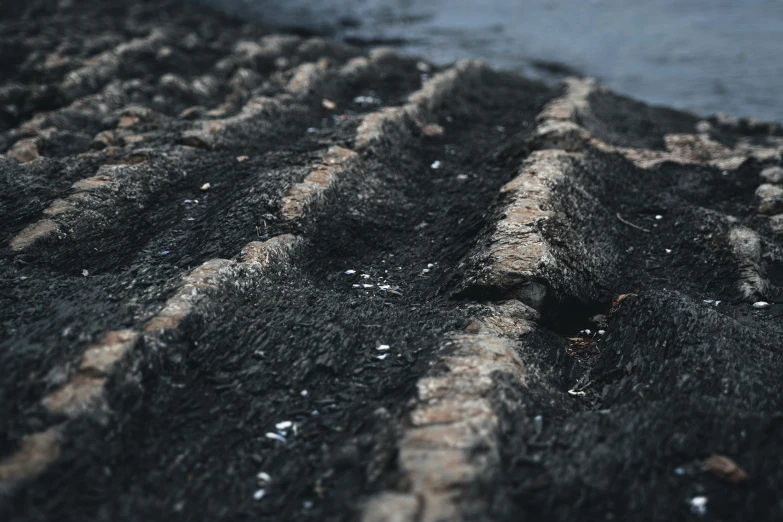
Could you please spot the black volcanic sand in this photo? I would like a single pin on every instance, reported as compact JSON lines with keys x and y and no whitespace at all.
{"x":673,"y":380}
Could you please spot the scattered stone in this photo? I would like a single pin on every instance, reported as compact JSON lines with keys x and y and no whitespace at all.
{"x":24,"y":150}
{"x":432,"y":130}
{"x":600,"y":320}
{"x":772,"y":174}
{"x":726,"y":469}
{"x":367,"y":100}
{"x":328,"y":104}
{"x":770,"y":199}
{"x":776,"y":224}
{"x":206,"y":186}
{"x":698,"y":505}
{"x":277,"y":437}
{"x":761,"y":305}
{"x":747,"y":247}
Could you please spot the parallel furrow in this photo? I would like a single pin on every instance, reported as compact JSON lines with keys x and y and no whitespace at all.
{"x":252,"y":277}
{"x":103,"y":206}
{"x":397,"y":159}
{"x":112,"y":357}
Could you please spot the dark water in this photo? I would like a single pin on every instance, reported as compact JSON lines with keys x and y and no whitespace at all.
{"x":705,"y":55}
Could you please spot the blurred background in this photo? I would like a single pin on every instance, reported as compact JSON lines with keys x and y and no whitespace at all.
{"x":705,"y":55}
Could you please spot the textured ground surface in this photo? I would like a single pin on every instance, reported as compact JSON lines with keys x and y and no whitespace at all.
{"x":270,"y":277}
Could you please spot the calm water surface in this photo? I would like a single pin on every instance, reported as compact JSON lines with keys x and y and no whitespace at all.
{"x":705,"y":55}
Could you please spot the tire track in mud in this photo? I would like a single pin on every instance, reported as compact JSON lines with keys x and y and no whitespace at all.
{"x":493,"y":308}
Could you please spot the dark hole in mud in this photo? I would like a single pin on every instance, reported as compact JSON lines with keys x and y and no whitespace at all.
{"x":775,"y":275}
{"x":569,"y":315}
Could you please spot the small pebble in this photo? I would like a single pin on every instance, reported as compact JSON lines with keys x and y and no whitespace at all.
{"x":283,"y":425}
{"x":259,"y":494}
{"x":698,"y":505}
{"x":659,"y":217}
{"x":275,"y":436}
{"x":760,"y":304}
{"x":773,"y":174}
{"x":383,"y":347}
{"x":435,"y":164}
{"x":366,"y":100}
{"x":206,"y":186}
{"x":382,"y":357}
{"x":350,"y":272}
{"x":668,"y":251}
{"x":303,"y":393}
{"x":85,"y":273}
